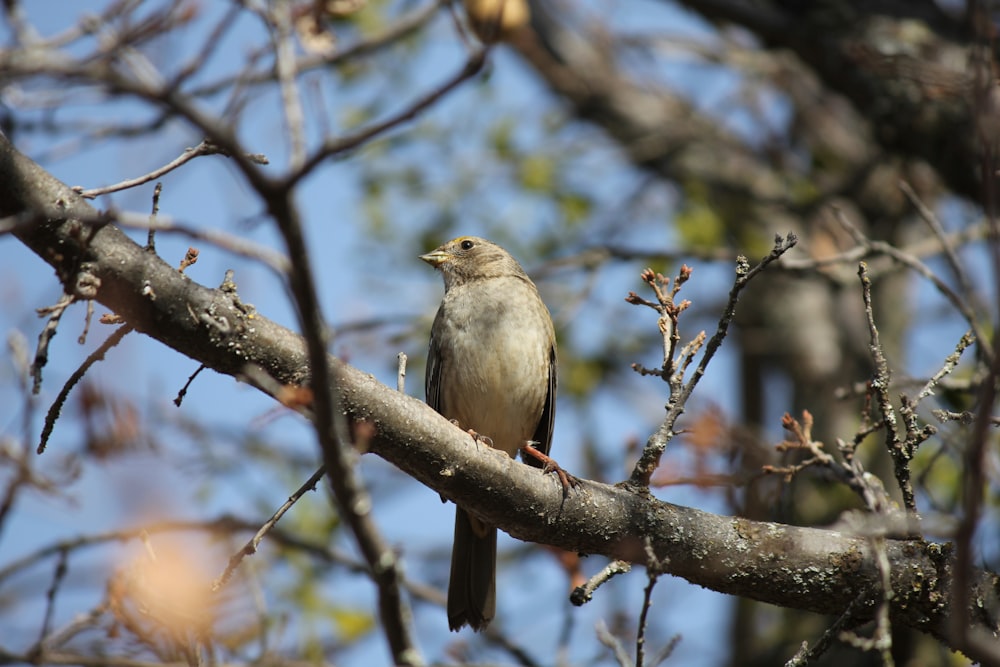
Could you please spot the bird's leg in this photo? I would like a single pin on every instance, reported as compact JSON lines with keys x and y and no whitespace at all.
{"x":479,"y":437}
{"x":549,"y":465}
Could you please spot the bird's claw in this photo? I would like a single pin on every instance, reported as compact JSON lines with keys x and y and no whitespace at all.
{"x":479,"y":437}
{"x":549,"y":464}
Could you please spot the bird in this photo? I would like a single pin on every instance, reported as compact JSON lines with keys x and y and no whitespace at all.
{"x":491,"y":367}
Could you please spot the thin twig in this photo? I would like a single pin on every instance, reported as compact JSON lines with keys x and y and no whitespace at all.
{"x":50,"y":595}
{"x":516,"y":651}
{"x":183,"y":390}
{"x":965,"y":418}
{"x":647,"y":602}
{"x":237,"y":245}
{"x":881,"y":640}
{"x":401,"y":372}
{"x":151,"y":234}
{"x":280,"y":24}
{"x":55,"y":313}
{"x":880,"y":385}
{"x":805,"y":654}
{"x":850,"y":471}
{"x":927,"y":215}
{"x":950,"y":363}
{"x":92,"y":358}
{"x":912,"y":262}
{"x":250,"y":548}
{"x":657,"y":442}
{"x":666,"y":651}
{"x":582,"y":594}
{"x":617,"y":648}
{"x":351,"y":141}
{"x":398,"y":30}
{"x":213,"y":40}
{"x":204,"y":148}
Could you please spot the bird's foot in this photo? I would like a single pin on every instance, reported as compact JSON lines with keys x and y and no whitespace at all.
{"x":480,"y":438}
{"x":549,"y":465}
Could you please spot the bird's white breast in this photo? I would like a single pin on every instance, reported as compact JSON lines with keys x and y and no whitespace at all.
{"x":503,"y":352}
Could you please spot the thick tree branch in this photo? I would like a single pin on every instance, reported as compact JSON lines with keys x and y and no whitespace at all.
{"x":908,"y":67}
{"x":802,"y":568}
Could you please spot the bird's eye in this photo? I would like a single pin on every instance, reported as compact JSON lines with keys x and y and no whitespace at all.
{"x":467,"y":244}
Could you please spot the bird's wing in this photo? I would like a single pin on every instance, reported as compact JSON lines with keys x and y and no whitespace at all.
{"x":543,"y":432}
{"x":432,"y":376}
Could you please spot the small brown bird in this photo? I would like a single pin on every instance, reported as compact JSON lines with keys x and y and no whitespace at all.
{"x":492,"y":368}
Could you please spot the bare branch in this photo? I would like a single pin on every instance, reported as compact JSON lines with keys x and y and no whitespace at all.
{"x":880,"y":385}
{"x":657,"y":442}
{"x":204,"y":148}
{"x":57,"y":405}
{"x":581,"y":595}
{"x":250,"y":548}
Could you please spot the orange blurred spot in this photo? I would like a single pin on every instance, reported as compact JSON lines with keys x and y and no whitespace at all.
{"x":163,"y":596}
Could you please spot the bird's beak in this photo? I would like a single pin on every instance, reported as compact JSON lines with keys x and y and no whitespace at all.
{"x":436,"y":257}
